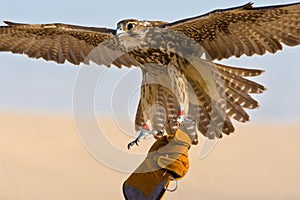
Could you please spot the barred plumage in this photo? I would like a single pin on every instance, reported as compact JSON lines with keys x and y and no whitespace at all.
{"x":243,"y":30}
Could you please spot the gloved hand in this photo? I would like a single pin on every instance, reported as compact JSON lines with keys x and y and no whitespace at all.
{"x":167,"y":160}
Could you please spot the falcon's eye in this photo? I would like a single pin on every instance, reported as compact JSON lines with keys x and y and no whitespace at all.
{"x":130,"y":26}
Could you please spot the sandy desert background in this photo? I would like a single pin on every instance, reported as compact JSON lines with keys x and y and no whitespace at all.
{"x":41,"y":157}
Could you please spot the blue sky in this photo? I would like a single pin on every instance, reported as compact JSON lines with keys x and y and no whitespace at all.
{"x":28,"y":85}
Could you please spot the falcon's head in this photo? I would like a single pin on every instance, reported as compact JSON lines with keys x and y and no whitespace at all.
{"x":134,"y":25}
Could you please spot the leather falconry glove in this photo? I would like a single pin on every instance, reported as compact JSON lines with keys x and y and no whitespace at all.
{"x":167,"y":160}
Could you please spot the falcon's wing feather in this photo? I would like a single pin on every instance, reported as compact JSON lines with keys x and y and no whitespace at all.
{"x":243,"y":30}
{"x":57,"y":42}
{"x":212,"y":113}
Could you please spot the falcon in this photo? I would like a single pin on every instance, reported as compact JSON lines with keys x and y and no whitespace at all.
{"x":182,"y":84}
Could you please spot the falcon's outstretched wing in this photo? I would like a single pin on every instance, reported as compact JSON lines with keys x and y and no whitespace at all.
{"x":243,"y":30}
{"x":57,"y":42}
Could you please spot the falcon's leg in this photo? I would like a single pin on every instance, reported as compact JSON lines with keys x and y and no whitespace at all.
{"x":181,"y":118}
{"x":186,"y":124}
{"x":143,"y":134}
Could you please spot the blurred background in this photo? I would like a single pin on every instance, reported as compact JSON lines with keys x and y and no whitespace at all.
{"x":41,"y":155}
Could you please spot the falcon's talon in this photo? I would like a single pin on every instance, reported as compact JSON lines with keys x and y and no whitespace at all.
{"x":131,"y":144}
{"x":143,"y":133}
{"x":136,"y":142}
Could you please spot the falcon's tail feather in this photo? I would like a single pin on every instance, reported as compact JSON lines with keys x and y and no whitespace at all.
{"x":236,"y":89}
{"x":233,"y":77}
{"x":239,"y":71}
{"x":209,"y":114}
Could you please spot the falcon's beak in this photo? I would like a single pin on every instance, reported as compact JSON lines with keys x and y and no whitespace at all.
{"x":119,"y":31}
